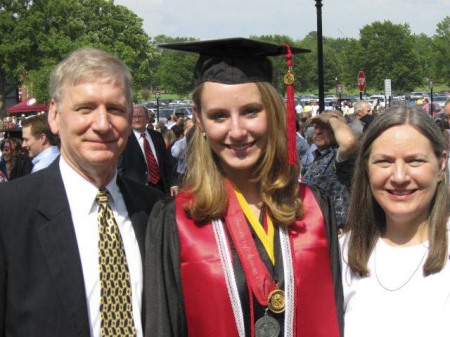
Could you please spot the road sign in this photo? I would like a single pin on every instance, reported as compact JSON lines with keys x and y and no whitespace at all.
{"x":361,"y":80}
{"x":387,"y":88}
{"x":339,"y":88}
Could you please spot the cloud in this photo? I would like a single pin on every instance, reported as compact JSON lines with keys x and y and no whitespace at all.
{"x":206,"y":19}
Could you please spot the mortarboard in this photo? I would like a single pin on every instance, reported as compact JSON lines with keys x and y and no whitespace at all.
{"x":234,"y":60}
{"x":240,"y":60}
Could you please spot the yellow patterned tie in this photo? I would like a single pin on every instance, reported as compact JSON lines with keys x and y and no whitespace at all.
{"x":116,"y":310}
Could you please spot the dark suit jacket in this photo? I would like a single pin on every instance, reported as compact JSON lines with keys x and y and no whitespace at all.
{"x":41,"y":280}
{"x":132,"y":162}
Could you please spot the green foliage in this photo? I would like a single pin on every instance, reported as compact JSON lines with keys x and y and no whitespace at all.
{"x":388,"y":52}
{"x":441,"y":47}
{"x":36,"y":35}
{"x":174,"y":71}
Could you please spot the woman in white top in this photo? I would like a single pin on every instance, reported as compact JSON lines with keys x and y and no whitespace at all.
{"x":396,"y":274}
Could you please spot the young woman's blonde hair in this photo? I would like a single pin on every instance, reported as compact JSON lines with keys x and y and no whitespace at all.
{"x":278,"y":182}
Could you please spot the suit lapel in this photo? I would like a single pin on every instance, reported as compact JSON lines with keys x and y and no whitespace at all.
{"x":57,"y":237}
{"x":135,"y":147}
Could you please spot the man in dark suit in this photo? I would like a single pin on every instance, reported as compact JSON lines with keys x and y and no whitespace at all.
{"x":142,"y":148}
{"x":52,"y":248}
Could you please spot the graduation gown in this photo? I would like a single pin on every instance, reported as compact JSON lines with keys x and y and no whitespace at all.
{"x":183,"y":281}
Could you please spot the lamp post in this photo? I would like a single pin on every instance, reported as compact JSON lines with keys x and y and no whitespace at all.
{"x":320,"y":56}
{"x":430,"y":83}
{"x":336,"y":84}
{"x":157,"y":95}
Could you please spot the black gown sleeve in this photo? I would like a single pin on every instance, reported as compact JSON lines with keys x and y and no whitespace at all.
{"x":165,"y":314}
{"x":335,"y":255}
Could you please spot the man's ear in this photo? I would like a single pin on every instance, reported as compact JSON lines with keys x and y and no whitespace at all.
{"x":53,"y":117}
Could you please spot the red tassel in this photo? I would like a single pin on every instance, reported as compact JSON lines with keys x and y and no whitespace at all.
{"x":290,"y":110}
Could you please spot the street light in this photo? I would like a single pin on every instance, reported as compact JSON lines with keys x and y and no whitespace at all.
{"x":320,"y":56}
{"x":157,"y":95}
{"x":430,"y":83}
{"x":336,"y":79}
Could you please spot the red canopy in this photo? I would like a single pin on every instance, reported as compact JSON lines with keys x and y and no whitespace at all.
{"x":29,"y":105}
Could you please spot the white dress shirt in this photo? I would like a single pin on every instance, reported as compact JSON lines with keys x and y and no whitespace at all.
{"x":81,"y":195}
{"x":45,"y":158}
{"x":141,"y":142}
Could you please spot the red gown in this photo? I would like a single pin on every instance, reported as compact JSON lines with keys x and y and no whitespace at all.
{"x":185,"y":286}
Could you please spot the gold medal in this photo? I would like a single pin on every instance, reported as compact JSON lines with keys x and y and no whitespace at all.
{"x":276,"y":301}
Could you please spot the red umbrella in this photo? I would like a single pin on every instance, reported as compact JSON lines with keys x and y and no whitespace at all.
{"x":29,"y":105}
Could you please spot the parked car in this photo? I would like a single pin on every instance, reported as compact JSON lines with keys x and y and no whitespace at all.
{"x":184,"y":111}
{"x":380,"y":98}
{"x":166,"y":112}
{"x":417,"y":94}
{"x":440,"y":99}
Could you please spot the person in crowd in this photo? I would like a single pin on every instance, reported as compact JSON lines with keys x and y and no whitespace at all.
{"x":152,"y":120}
{"x":146,"y":159}
{"x":73,"y":234}
{"x":362,"y":117}
{"x":178,"y":129}
{"x":230,"y":240}
{"x":420,"y":101}
{"x":396,"y":272}
{"x":179,"y":150}
{"x":15,"y":162}
{"x":169,"y":137}
{"x":161,"y":126}
{"x":299,"y":108}
{"x":446,"y":110}
{"x":39,"y":140}
{"x":308,"y":158}
{"x":171,"y":121}
{"x":307,"y":109}
{"x":345,"y":108}
{"x":332,"y":167}
{"x":444,"y":125}
{"x":302,"y":145}
{"x":315,"y":108}
{"x":426,"y":106}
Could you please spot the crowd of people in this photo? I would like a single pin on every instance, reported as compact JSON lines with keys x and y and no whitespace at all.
{"x":248,"y":218}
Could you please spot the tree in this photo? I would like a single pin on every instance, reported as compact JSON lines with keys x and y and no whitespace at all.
{"x":331,"y":61}
{"x":36,"y":35}
{"x":174,"y":71}
{"x":441,"y":42}
{"x":388,"y":52}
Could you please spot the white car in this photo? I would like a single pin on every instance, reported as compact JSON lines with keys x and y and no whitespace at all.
{"x":381,"y":100}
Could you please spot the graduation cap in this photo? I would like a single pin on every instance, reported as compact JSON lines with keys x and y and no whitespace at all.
{"x":240,"y":60}
{"x":234,"y":60}
{"x":15,"y":132}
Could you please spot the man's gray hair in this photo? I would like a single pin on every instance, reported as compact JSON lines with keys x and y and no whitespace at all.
{"x":90,"y":64}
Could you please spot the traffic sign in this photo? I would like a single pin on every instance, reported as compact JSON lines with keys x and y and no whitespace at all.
{"x":387,"y":87}
{"x":361,"y":80}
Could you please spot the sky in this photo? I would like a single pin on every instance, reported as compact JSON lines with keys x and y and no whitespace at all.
{"x":212,"y":19}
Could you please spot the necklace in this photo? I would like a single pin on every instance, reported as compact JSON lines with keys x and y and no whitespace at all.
{"x":403,"y":284}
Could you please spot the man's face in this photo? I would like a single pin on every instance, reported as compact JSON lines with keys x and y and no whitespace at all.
{"x":140,"y":119}
{"x":34,"y":145}
{"x":323,"y":136}
{"x":447,"y":112}
{"x":365,"y":110}
{"x":93,"y":123}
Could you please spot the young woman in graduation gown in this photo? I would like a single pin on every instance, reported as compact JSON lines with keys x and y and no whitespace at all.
{"x":244,"y":249}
